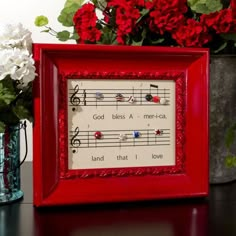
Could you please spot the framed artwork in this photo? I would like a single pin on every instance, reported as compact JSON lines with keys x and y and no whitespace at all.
{"x":119,"y":123}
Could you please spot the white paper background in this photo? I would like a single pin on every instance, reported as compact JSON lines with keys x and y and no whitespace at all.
{"x":141,"y":116}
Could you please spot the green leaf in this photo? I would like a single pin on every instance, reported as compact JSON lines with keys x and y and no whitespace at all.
{"x":2,"y":104}
{"x":15,"y":104}
{"x":7,"y":91}
{"x":229,"y":37}
{"x":234,"y":126}
{"x":68,"y":3}
{"x":6,"y":96}
{"x":74,"y":36}
{"x":63,"y":35}
{"x":2,"y":127}
{"x":137,"y":43}
{"x":108,"y":36}
{"x":201,"y":8}
{"x":41,"y":21}
{"x":205,"y":6}
{"x":143,"y":12}
{"x":22,"y":112}
{"x":214,"y":6}
{"x":229,"y":138}
{"x":45,"y":31}
{"x":8,"y":117}
{"x":67,"y":14}
{"x":22,"y":108}
{"x":100,"y":4}
{"x":158,"y":41}
{"x":223,"y":46}
{"x":230,"y":161}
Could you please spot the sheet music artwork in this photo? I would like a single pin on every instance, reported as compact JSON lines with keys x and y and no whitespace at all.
{"x":116,"y":124}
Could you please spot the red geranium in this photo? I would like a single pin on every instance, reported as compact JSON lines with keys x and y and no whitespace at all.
{"x":221,"y":22}
{"x":186,"y":23}
{"x":166,"y":15}
{"x":233,"y":7}
{"x":193,"y":34}
{"x":85,"y":20}
{"x":126,"y":15}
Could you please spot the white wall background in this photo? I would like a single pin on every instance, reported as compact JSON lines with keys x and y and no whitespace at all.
{"x":25,"y":11}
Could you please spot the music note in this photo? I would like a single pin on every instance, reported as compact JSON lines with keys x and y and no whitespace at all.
{"x":119,"y":98}
{"x":153,"y":86}
{"x":131,"y":98}
{"x":155,"y":98}
{"x":75,"y":142}
{"x":163,"y":100}
{"x":84,"y":97}
{"x":141,"y":95}
{"x":98,"y":97}
{"x":74,"y":99}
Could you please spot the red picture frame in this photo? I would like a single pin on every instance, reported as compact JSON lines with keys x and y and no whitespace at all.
{"x":57,"y":183}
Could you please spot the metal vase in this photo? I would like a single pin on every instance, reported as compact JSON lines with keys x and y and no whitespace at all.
{"x":222,"y":115}
{"x":10,"y":165}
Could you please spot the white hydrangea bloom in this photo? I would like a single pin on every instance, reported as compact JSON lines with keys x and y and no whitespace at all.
{"x":18,"y":64}
{"x":15,"y":35}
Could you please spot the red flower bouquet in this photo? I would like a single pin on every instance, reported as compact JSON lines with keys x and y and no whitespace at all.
{"x":184,"y":23}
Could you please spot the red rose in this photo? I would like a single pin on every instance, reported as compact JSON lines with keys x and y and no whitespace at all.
{"x":193,"y":34}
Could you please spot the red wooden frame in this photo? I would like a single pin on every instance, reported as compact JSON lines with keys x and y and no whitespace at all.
{"x":55,"y":184}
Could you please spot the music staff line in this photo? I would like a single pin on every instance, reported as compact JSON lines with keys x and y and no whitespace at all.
{"x":103,"y":97}
{"x":119,"y":138}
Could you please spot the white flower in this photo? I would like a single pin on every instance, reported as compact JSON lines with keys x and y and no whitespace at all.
{"x":15,"y":36}
{"x":18,"y":64}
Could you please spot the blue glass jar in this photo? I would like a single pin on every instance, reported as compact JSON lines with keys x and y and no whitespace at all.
{"x":10,"y":165}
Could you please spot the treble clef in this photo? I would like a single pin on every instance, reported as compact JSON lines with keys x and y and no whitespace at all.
{"x":75,"y":142}
{"x":74,"y":99}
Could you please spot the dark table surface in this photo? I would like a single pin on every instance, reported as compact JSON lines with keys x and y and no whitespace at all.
{"x":211,"y":216}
